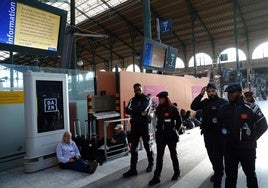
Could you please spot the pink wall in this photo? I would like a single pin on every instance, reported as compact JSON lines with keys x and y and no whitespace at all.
{"x":179,"y":88}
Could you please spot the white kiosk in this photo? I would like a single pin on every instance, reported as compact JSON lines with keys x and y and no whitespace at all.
{"x":46,"y":110}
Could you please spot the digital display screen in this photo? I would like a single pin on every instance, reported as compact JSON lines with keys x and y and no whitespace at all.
{"x":154,"y":55}
{"x":50,"y":114}
{"x":31,"y":27}
{"x":28,"y":26}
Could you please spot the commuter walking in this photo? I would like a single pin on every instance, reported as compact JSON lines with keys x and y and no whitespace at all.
{"x":167,"y":128}
{"x":241,"y":123}
{"x":213,"y":139}
{"x":139,"y":108}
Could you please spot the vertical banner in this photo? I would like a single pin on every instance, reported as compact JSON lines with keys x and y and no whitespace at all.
{"x":196,"y":91}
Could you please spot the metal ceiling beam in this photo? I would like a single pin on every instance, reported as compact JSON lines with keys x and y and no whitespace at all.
{"x":195,"y":13}
{"x":245,"y":29}
{"x":108,"y":31}
{"x":235,"y":3}
{"x":122,"y":17}
{"x":156,"y":14}
{"x":89,"y":51}
{"x":147,"y":26}
{"x":183,"y":45}
{"x":105,"y":47}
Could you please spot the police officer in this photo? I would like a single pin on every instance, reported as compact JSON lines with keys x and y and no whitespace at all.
{"x":212,"y":137}
{"x":138,"y":108}
{"x":168,"y":125}
{"x":242,"y":123}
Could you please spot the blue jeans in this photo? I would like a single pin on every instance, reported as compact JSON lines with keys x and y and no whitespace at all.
{"x":78,"y":165}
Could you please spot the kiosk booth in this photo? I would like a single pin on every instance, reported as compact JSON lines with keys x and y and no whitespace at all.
{"x":46,"y":117}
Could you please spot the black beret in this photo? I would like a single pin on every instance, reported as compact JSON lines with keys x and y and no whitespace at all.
{"x":233,"y":87}
{"x":162,"y":94}
{"x":211,"y":85}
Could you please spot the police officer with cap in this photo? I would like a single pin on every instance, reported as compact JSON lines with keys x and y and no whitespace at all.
{"x":241,"y":123}
{"x":168,"y":125}
{"x":213,"y":140}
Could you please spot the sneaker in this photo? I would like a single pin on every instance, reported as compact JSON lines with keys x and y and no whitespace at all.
{"x":130,"y":173}
{"x":92,"y":166}
{"x":154,"y":181}
{"x":150,"y":167}
{"x":212,"y":178}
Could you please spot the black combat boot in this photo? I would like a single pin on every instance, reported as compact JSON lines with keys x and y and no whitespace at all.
{"x":129,"y":173}
{"x":150,"y":167}
{"x":175,"y":176}
{"x":154,"y":181}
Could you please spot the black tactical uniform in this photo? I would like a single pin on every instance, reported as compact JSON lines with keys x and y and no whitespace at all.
{"x":167,"y":128}
{"x":212,"y":137}
{"x":139,"y":107}
{"x":241,"y":124}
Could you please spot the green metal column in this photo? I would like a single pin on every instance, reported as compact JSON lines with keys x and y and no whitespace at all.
{"x":147,"y":19}
{"x":72,"y":23}
{"x":193,"y":43}
{"x":236,"y":35}
{"x":11,"y":70}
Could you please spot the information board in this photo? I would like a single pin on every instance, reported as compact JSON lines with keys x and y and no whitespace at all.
{"x":29,"y":25}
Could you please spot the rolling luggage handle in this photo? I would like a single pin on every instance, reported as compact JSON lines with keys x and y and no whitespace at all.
{"x":77,"y":128}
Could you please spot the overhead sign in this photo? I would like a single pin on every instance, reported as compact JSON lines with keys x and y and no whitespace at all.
{"x":165,"y":26}
{"x":31,"y":26}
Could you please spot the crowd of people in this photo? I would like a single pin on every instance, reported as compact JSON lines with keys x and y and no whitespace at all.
{"x":230,"y":128}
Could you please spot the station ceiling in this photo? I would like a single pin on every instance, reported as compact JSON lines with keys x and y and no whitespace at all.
{"x":122,"y":21}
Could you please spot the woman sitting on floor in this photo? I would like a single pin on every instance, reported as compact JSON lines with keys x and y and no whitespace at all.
{"x":69,"y":156}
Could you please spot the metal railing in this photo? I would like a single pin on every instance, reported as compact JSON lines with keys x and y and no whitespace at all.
{"x":124,"y":149}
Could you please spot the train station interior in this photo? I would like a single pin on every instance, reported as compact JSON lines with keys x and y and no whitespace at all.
{"x":70,"y":65}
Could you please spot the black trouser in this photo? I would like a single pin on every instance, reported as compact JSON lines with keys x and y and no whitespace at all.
{"x":247,"y":159}
{"x":215,"y":149}
{"x":160,"y":145}
{"x":140,"y":130}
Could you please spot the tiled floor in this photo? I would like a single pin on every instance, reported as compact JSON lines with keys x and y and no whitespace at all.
{"x":195,"y":168}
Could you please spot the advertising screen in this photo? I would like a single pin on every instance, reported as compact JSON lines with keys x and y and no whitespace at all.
{"x":24,"y":25}
{"x":50,"y":115}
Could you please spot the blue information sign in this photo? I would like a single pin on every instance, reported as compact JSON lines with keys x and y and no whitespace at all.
{"x":166,"y":26}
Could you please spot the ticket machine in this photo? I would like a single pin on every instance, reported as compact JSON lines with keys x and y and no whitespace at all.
{"x":46,"y":117}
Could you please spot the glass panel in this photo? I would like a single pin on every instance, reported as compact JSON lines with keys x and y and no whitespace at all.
{"x":88,"y":7}
{"x":80,"y":84}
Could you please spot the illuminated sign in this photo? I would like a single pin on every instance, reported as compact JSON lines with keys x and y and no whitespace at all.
{"x":166,"y":26}
{"x":29,"y":25}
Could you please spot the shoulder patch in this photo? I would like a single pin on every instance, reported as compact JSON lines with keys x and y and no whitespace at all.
{"x":259,"y":114}
{"x":248,"y":105}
